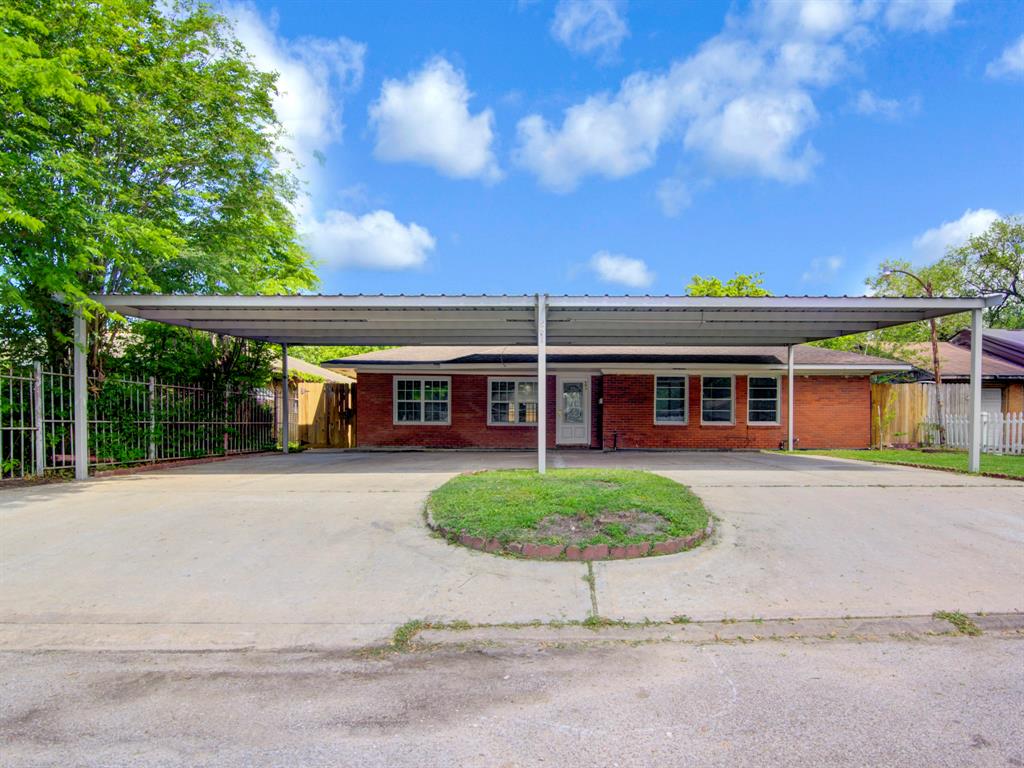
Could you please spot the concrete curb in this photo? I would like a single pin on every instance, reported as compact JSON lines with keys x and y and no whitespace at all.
{"x":910,"y":464}
{"x":718,"y":631}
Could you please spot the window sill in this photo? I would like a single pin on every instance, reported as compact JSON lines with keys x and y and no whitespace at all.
{"x":672,"y":423}
{"x":502,"y":424}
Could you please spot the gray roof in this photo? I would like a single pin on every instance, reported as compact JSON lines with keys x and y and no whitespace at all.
{"x":999,"y":342}
{"x":464,"y":355}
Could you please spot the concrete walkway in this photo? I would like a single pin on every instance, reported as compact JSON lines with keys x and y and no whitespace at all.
{"x":329,"y":550}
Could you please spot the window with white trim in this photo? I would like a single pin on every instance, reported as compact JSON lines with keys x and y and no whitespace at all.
{"x":763,"y":399}
{"x":422,"y":400}
{"x":511,"y":401}
{"x":670,"y":401}
{"x":716,"y":399}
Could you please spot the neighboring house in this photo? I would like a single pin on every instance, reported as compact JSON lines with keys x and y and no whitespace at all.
{"x":612,"y":397}
{"x":1002,"y":367}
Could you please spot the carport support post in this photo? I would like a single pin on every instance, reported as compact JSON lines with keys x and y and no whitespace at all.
{"x":81,"y":394}
{"x":789,"y":397}
{"x":542,"y":382}
{"x":974,"y":448}
{"x":285,"y":404}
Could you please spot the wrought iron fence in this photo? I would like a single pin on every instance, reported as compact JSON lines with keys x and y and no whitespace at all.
{"x":130,"y":421}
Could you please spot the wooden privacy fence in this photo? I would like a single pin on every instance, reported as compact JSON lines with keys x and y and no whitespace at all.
{"x":323,"y":414}
{"x":898,"y":414}
{"x":907,"y":415}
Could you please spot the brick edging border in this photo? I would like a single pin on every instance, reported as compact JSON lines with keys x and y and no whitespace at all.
{"x":572,"y":552}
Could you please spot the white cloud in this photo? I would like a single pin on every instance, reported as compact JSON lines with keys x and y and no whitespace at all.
{"x":1010,"y":63}
{"x":919,"y":15}
{"x":673,"y":196}
{"x":933,"y":243}
{"x":314,"y":74}
{"x":613,"y":136}
{"x":616,"y":268}
{"x":590,"y":26}
{"x":740,"y":101}
{"x":759,"y":133}
{"x":374,"y":240}
{"x":871,"y":104}
{"x":310,"y":72}
{"x":822,"y":270}
{"x":809,"y":18}
{"x":744,"y":101}
{"x":426,"y":119}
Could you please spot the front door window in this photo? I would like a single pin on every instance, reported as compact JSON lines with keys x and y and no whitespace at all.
{"x":573,"y":411}
{"x":572,"y":402}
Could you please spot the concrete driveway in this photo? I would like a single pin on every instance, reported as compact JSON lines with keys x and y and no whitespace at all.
{"x":329,"y":549}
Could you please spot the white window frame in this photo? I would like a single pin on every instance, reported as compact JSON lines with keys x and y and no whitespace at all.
{"x":421,"y":422}
{"x":516,"y":379}
{"x":686,"y":401}
{"x":778,"y":400}
{"x":732,"y":400}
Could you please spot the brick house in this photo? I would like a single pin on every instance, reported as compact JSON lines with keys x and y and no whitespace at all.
{"x":612,"y":397}
{"x":1002,"y":366}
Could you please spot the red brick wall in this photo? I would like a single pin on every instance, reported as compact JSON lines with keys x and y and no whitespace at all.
{"x":831,"y":412}
{"x":374,"y":416}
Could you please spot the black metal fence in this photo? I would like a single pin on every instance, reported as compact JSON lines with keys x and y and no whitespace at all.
{"x":130,"y":421}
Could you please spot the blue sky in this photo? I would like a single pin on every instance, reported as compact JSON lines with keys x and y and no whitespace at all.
{"x":593,"y":146}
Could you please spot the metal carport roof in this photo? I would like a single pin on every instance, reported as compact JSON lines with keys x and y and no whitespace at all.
{"x":571,"y":320}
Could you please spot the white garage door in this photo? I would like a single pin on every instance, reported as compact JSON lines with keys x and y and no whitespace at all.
{"x":992,"y":400}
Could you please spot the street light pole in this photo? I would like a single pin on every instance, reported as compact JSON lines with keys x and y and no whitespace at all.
{"x":936,"y":365}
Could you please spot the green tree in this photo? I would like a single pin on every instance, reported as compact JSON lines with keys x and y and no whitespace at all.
{"x":137,"y":153}
{"x":896,"y":278}
{"x":738,"y":285}
{"x":993,"y":263}
{"x":989,"y":263}
{"x":188,"y":356}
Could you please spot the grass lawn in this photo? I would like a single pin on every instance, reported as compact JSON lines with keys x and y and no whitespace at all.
{"x":567,"y":506}
{"x":1012,"y":466}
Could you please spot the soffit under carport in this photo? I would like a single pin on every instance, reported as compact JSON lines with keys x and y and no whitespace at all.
{"x":571,"y":320}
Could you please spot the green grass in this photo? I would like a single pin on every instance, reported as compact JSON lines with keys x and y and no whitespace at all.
{"x":508,"y":504}
{"x":1012,"y":466}
{"x":405,"y":634}
{"x":963,"y":623}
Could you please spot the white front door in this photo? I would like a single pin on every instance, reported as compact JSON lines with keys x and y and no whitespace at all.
{"x":573,"y":406}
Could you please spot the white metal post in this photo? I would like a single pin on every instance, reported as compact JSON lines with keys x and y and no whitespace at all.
{"x":151,"y":453}
{"x":542,"y":382}
{"x":286,"y":405}
{"x":789,"y":396}
{"x":81,"y":387}
{"x":40,"y":420}
{"x":974,"y":446}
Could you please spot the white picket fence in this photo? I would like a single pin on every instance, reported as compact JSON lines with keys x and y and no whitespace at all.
{"x":1000,"y":432}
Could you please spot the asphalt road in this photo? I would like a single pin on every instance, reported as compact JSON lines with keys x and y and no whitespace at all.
{"x":928,"y":702}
